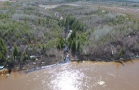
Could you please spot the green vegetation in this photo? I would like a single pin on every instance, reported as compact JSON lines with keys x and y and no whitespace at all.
{"x":60,"y":43}
{"x":15,"y":52}
{"x":3,"y":52}
{"x":121,"y":52}
{"x":25,"y":56}
{"x":70,"y":23}
{"x":27,"y":28}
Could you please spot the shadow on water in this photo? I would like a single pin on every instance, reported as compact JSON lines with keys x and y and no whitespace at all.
{"x":120,"y":63}
{"x":9,"y":72}
{"x":123,"y":62}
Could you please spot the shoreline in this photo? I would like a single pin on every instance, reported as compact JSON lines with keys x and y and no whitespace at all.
{"x":7,"y":71}
{"x":34,"y":68}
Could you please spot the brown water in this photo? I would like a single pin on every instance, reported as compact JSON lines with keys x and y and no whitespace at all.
{"x":77,"y":76}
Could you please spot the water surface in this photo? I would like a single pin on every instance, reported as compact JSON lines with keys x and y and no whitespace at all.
{"x":77,"y":76}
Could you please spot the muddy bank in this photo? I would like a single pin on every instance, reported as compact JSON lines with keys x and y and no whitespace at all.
{"x":37,"y":63}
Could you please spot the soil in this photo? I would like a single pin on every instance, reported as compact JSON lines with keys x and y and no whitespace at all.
{"x":56,"y":5}
{"x":38,"y":63}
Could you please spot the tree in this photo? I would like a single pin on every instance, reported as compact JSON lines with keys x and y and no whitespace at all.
{"x":60,"y":43}
{"x":3,"y":52}
{"x":78,"y":47}
{"x":25,"y":56}
{"x":73,"y":47}
{"x":15,"y":52}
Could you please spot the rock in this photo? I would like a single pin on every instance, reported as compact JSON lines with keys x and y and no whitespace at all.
{"x":34,"y":63}
{"x":7,"y":75}
{"x":1,"y":67}
{"x":137,"y":56}
{"x":32,"y":57}
{"x":101,"y":83}
{"x":61,"y":18}
{"x":30,"y":49}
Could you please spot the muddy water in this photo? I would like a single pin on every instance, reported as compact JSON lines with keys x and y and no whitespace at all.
{"x":77,"y":76}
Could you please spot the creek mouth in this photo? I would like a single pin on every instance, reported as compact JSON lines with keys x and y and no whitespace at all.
{"x":87,"y":75}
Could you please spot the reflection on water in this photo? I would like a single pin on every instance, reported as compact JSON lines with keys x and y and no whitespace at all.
{"x":67,"y":79}
{"x":77,"y":76}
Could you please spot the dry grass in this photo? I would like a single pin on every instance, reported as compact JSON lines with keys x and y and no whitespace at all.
{"x":1,"y":4}
{"x":134,"y":13}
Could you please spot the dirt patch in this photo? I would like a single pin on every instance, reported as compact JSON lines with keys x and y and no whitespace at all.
{"x":3,"y":71}
{"x":37,"y":63}
{"x":56,"y":5}
{"x":134,"y":13}
{"x":48,"y":6}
